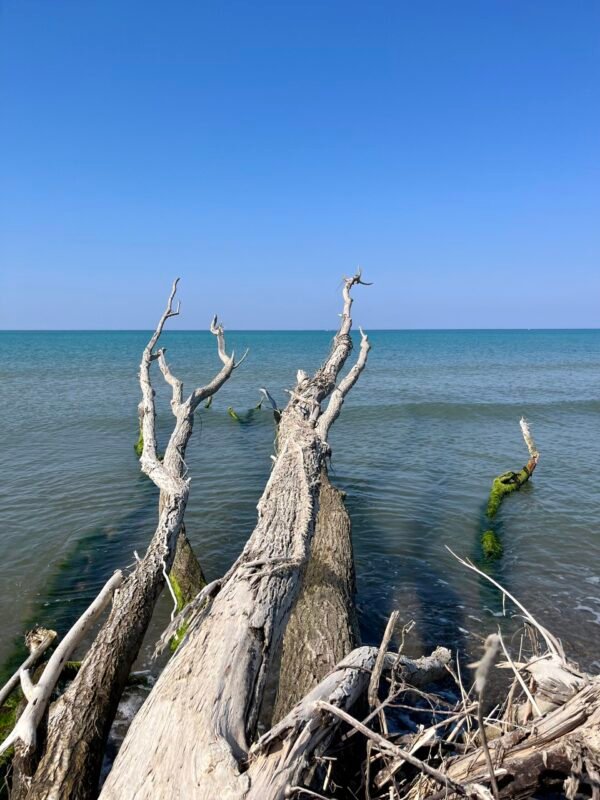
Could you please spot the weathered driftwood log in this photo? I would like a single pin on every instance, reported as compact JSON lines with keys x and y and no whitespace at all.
{"x":38,"y":640}
{"x":37,"y":691}
{"x":80,"y":720}
{"x":505,"y":484}
{"x":192,"y":735}
{"x":323,"y":627}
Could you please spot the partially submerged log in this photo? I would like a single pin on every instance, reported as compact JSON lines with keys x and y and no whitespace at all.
{"x":323,"y":627}
{"x":503,"y":485}
{"x":79,"y":722}
{"x":212,"y":688}
{"x":186,"y":576}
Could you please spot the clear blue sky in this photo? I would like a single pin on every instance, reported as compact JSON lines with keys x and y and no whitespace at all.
{"x":260,"y":150}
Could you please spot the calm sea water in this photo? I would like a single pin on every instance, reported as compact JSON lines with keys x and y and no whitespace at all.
{"x":433,"y":419}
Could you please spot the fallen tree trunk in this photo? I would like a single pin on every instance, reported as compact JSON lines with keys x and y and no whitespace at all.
{"x":323,"y":627}
{"x":79,"y":722}
{"x":212,"y":689}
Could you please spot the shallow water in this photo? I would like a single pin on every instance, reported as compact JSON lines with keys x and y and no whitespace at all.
{"x":433,"y":419}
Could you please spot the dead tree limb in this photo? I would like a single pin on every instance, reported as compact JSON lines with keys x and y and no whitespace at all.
{"x":213,"y":687}
{"x":38,"y":695}
{"x":283,"y":756}
{"x":80,"y":720}
{"x":40,"y":639}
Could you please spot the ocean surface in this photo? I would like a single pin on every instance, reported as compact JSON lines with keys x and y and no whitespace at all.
{"x":434,"y":417}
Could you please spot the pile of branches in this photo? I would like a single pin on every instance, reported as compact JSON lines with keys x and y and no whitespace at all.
{"x":423,"y":739}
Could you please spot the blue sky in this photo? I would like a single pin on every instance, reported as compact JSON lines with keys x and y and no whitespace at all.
{"x":261,"y":150}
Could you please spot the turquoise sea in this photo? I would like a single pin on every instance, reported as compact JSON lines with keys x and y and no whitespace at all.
{"x":433,"y":419}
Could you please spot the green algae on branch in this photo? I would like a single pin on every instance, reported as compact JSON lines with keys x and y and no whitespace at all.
{"x":491,"y":544}
{"x":139,"y":445}
{"x":181,"y":603}
{"x":8,"y":718}
{"x":505,"y":484}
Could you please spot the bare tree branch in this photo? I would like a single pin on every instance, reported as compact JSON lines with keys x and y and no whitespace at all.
{"x":336,"y":402}
{"x":174,"y":382}
{"x":37,"y":650}
{"x":229,"y":364}
{"x":168,"y":312}
{"x":39,"y":695}
{"x":149,"y":460}
{"x":216,"y":328}
{"x":342,"y":344}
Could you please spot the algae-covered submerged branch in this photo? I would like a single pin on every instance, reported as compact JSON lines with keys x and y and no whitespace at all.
{"x":505,"y":484}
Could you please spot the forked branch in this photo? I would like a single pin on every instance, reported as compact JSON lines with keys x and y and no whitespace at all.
{"x":332,"y":412}
{"x":342,"y":343}
{"x":310,"y":392}
{"x":229,"y":364}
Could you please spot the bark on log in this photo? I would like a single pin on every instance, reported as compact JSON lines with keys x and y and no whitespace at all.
{"x":213,"y":686}
{"x":186,"y":575}
{"x":323,"y":627}
{"x":80,"y":720}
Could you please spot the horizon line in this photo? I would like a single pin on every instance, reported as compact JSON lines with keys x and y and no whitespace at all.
{"x":289,"y":330}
